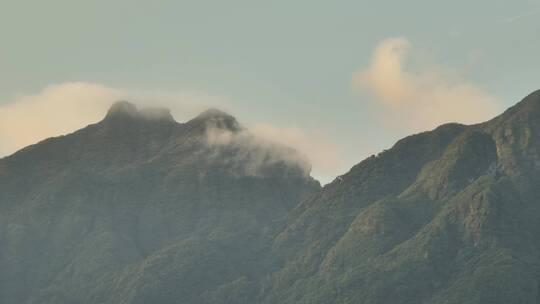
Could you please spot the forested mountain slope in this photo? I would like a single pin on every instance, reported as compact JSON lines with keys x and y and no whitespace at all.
{"x":141,"y":209}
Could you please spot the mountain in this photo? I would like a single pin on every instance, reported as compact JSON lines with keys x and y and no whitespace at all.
{"x":446,"y":216}
{"x":141,"y":209}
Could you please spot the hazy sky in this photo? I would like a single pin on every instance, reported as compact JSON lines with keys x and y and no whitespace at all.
{"x":338,"y":79}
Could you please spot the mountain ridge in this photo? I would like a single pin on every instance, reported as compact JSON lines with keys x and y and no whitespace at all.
{"x":89,"y":206}
{"x":485,"y":158}
{"x":157,"y":211}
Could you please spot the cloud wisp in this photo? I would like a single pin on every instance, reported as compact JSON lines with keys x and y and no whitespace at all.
{"x":424,"y":98}
{"x":325,"y":155}
{"x":63,"y":108}
{"x":248,"y":154}
{"x":263,"y":145}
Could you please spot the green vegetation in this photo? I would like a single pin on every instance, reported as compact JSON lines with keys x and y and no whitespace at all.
{"x":133,"y":210}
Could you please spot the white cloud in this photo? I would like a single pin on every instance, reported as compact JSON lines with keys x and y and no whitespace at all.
{"x":325,"y":155}
{"x":64,"y":108}
{"x":425,"y":98}
{"x":56,"y":110}
{"x":254,"y":155}
{"x":262,"y":145}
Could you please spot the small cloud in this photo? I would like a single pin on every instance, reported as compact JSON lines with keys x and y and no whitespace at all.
{"x":425,"y":98}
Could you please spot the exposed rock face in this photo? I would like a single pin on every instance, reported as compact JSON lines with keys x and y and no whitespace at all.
{"x":139,"y":210}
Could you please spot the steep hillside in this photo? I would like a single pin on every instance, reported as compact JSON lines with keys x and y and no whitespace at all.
{"x":141,"y":209}
{"x":447,"y":216}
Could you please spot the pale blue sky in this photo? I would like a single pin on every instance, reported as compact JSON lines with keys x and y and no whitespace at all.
{"x":289,"y":63}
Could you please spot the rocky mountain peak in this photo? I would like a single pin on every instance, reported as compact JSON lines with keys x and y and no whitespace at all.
{"x":216,"y":119}
{"x":122,"y":108}
{"x":127,"y":110}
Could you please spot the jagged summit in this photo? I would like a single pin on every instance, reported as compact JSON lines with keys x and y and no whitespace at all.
{"x":125,"y":109}
{"x":161,"y":114}
{"x":122,"y":108}
{"x":213,"y":113}
{"x":215,"y":118}
{"x":122,"y":195}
